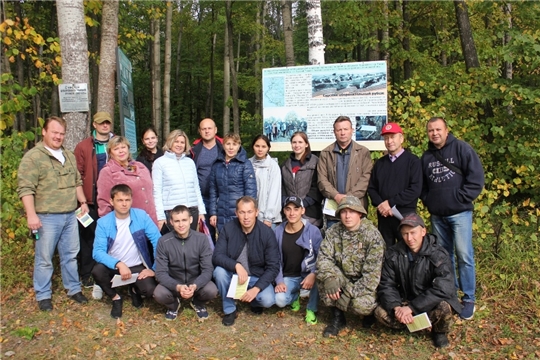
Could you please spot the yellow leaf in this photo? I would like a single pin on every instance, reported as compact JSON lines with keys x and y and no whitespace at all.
{"x":11,"y":59}
{"x":23,"y":56}
{"x":526,"y":202}
{"x":7,"y":41}
{"x":38,"y":64}
{"x":10,"y":22}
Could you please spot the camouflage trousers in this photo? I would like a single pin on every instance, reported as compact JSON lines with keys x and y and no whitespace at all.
{"x":441,"y":318}
{"x":362,"y":304}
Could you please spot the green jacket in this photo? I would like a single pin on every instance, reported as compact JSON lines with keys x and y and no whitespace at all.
{"x":353,"y":255}
{"x":52,"y":184}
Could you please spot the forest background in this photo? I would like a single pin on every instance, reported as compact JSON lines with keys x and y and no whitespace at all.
{"x":476,"y":63}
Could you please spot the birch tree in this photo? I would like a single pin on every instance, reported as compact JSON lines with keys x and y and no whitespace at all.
{"x":167,"y":73}
{"x":315,"y":32}
{"x":286,"y":8}
{"x":74,"y":47}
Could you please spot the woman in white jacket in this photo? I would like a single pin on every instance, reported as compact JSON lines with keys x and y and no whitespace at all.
{"x":175,"y":181}
{"x":268,"y":175}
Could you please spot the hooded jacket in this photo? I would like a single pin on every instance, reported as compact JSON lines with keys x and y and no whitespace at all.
{"x":310,"y":241}
{"x":229,"y":182}
{"x":422,"y":283}
{"x":444,"y":191}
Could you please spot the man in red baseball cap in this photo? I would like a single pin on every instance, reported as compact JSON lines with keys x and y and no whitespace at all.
{"x":395,"y":184}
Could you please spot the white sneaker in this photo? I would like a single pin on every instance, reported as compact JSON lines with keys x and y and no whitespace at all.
{"x":304,"y":293}
{"x":97,"y":292}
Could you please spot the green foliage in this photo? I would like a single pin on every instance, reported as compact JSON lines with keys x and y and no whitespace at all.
{"x":17,"y":244}
{"x":26,"y":332}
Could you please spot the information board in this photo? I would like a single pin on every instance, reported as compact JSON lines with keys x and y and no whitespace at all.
{"x":309,"y":98}
{"x":73,"y":97}
{"x":128,"y":126}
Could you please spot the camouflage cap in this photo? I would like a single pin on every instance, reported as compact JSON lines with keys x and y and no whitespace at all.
{"x":351,"y":202}
{"x":413,"y":220}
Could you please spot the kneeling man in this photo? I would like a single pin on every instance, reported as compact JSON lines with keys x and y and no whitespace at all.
{"x":299,"y":243}
{"x":184,"y":267}
{"x":417,"y":277}
{"x":121,"y":248}
{"x":349,"y":265}
{"x":246,"y":247}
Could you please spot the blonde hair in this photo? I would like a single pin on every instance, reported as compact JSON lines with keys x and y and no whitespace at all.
{"x":232,"y":136}
{"x":114,"y":142}
{"x":172,"y":138}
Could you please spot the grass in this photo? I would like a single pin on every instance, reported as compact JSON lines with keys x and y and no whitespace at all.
{"x":74,"y":331}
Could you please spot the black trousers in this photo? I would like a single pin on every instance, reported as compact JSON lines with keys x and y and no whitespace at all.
{"x":388,"y":227}
{"x":86,"y":240}
{"x":103,"y":276}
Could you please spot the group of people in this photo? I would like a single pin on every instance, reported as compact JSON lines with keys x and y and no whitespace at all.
{"x":265,"y":223}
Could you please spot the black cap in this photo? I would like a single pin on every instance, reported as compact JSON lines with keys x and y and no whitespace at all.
{"x":293,"y":200}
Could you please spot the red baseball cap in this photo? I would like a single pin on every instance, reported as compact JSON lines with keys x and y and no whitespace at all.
{"x":391,"y":128}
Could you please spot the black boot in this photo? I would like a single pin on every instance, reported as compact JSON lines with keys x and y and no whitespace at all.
{"x":338,"y":323}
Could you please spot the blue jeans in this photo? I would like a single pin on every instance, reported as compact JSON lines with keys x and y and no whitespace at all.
{"x":58,"y":231}
{"x":222,"y":278}
{"x":455,"y":231}
{"x":293,"y":291}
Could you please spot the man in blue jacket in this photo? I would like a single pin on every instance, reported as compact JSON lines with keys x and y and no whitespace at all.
{"x":121,"y":248}
{"x":248,"y":248}
{"x":453,"y":179}
{"x":298,"y":243}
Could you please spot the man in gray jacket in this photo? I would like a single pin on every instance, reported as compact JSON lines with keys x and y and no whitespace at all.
{"x":184,"y":267}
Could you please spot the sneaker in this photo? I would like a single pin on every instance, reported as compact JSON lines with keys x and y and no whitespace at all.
{"x":116,"y":311}
{"x":311,"y":318}
{"x":45,"y":305}
{"x":295,"y":306}
{"x":229,"y":319}
{"x":172,"y":314}
{"x":304,"y":293}
{"x":200,"y":310}
{"x":97,"y":292}
{"x":136,"y":298}
{"x":468,"y":310}
{"x":80,"y":298}
{"x":440,"y":340}
{"x":87,"y":283}
{"x":257,"y":310}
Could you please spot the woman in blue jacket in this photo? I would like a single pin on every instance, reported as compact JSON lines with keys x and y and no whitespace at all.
{"x":232,"y":177}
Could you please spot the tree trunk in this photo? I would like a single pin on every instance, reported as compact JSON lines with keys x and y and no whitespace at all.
{"x":315,"y":32}
{"x":286,"y":8}
{"x":234,"y":80}
{"x":167,"y":74}
{"x":209,"y":109}
{"x":19,"y":122}
{"x":94,"y":43}
{"x":107,"y":63}
{"x":226,"y":83}
{"x":156,"y":79}
{"x":465,"y":33}
{"x":508,"y":69}
{"x":257,"y":66}
{"x":74,"y":45}
{"x":407,"y":66}
{"x":178,"y":53}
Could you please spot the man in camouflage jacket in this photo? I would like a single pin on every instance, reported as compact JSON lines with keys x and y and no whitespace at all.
{"x":349,"y":264}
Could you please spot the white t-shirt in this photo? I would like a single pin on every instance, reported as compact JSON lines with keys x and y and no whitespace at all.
{"x":124,"y":248}
{"x":57,"y":154}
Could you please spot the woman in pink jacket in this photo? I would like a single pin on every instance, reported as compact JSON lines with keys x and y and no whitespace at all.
{"x":121,"y":169}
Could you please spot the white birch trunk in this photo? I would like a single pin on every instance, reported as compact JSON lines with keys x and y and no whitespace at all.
{"x":315,"y":32}
{"x":74,"y":47}
{"x":167,"y":74}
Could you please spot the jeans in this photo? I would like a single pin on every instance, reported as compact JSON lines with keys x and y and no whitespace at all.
{"x":58,"y":231}
{"x":455,"y":231}
{"x":293,"y":291}
{"x":265,"y":298}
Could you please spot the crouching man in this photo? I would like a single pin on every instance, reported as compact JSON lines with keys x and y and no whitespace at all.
{"x":121,"y":248}
{"x":184,"y":267}
{"x":417,"y":277}
{"x":349,"y":265}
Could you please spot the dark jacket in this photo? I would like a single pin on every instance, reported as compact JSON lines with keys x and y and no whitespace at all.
{"x":85,"y":155}
{"x":144,"y":158}
{"x":303,"y":185}
{"x":423,"y":283}
{"x":194,"y":152}
{"x":445,"y":192}
{"x":263,"y":253}
{"x":229,"y":182}
{"x":183,"y":261}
